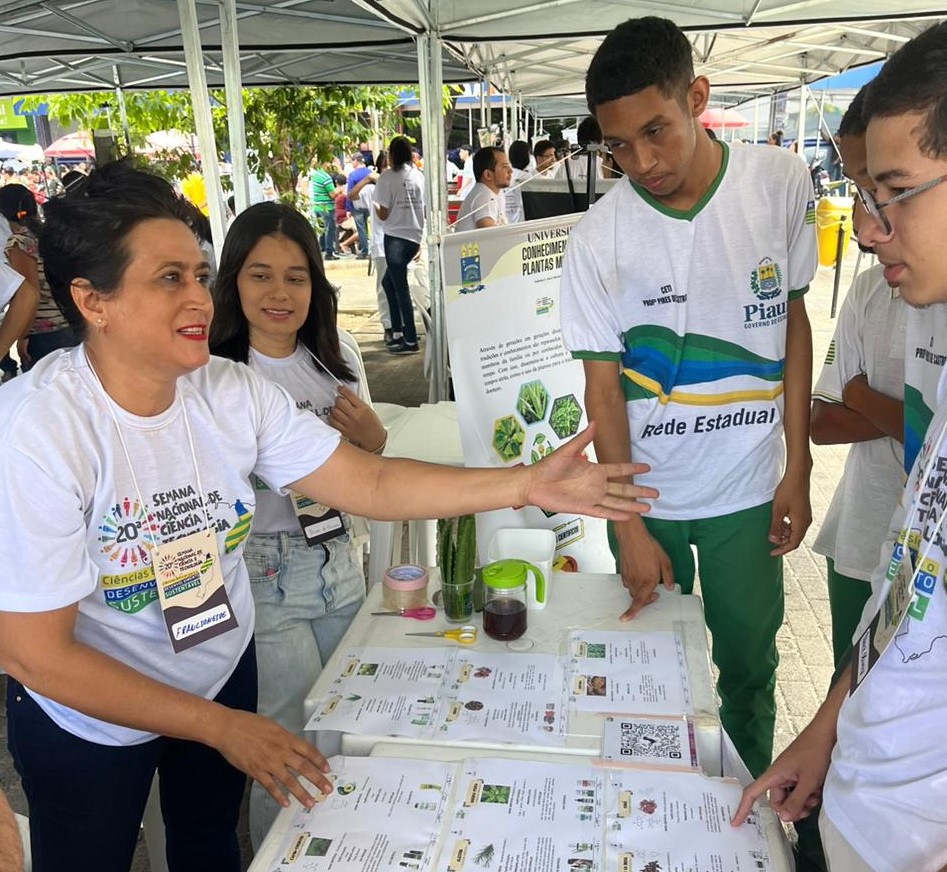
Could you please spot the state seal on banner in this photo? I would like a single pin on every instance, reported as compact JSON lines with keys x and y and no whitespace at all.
{"x":471,"y":279}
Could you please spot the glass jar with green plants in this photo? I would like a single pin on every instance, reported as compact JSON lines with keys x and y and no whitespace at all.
{"x":456,"y":558}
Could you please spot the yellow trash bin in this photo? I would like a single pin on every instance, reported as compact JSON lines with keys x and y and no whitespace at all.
{"x":831,"y":214}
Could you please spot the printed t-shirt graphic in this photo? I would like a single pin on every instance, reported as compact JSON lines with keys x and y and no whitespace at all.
{"x":126,"y":529}
{"x":693,"y":307}
{"x":925,"y":354}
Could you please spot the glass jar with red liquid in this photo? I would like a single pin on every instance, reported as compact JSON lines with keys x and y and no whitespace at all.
{"x":504,"y":598}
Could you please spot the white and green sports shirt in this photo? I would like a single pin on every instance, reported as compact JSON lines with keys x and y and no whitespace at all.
{"x":694,"y":307}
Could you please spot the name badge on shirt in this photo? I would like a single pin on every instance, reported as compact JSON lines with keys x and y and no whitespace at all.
{"x":884,"y":625}
{"x":319,"y":523}
{"x":191,"y":590}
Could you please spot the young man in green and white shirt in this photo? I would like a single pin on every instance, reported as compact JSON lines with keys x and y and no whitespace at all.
{"x":682,"y":292}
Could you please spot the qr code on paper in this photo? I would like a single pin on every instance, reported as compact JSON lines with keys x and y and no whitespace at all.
{"x":651,"y":740}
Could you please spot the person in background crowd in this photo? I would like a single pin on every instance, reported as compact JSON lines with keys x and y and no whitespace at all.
{"x":354,"y":207}
{"x":20,"y":298}
{"x":519,"y":160}
{"x":322,"y":193}
{"x":485,"y":207}
{"x":544,"y":152}
{"x":399,"y":202}
{"x":366,"y":153}
{"x":275,"y":311}
{"x":50,"y":329}
{"x":344,"y":222}
{"x":140,"y":453}
{"x":376,"y":241}
{"x":588,"y":134}
{"x":466,"y":180}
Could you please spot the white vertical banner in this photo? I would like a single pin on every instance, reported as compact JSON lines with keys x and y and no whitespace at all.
{"x":519,"y":392}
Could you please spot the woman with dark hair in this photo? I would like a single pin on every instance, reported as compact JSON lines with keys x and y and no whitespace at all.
{"x":126,"y":618}
{"x":276,"y":312}
{"x":49,"y":329}
{"x":399,"y":202}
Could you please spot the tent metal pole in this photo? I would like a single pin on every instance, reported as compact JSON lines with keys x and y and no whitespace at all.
{"x":801,"y":137}
{"x":430,"y":78}
{"x":233,"y":86}
{"x":197,"y":79}
{"x":484,"y":100}
{"x":122,"y":110}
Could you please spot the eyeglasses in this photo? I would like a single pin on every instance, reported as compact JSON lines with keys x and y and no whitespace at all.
{"x":875,"y":209}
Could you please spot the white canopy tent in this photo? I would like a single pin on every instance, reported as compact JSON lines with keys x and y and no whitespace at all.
{"x":527,"y":48}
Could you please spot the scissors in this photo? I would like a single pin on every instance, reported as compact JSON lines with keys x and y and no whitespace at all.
{"x":422,"y":614}
{"x":465,"y":635}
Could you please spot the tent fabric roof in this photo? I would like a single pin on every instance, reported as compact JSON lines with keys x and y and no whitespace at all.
{"x":66,"y":45}
{"x":527,"y":47}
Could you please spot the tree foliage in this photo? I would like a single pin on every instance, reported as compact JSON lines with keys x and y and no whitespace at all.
{"x":287,"y":128}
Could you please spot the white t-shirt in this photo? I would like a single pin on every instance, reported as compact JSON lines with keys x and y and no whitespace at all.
{"x":868,"y":340}
{"x":402,"y":193}
{"x":10,"y":281}
{"x":886,"y":789}
{"x":481,"y":203}
{"x":376,"y":236}
{"x":514,"y":196}
{"x":467,"y":180}
{"x":924,"y":356}
{"x":693,"y":305}
{"x":314,"y":391}
{"x":74,"y":529}
{"x":579,"y":167}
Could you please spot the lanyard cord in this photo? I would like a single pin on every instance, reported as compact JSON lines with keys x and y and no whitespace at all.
{"x":128,"y":459}
{"x":321,"y":365}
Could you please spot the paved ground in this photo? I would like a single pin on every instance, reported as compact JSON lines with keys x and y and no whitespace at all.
{"x":804,"y":641}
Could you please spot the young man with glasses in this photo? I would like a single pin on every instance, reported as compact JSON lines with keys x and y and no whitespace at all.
{"x":857,"y":401}
{"x":874,"y":752}
{"x":926,"y":331}
{"x":682,"y":293}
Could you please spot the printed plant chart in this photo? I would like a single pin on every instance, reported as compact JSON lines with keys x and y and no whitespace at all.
{"x":383,"y":815}
{"x":505,"y":698}
{"x":389,"y":691}
{"x":451,"y":693}
{"x":518,"y":816}
{"x":678,"y":822}
{"x":640,"y":673}
{"x":656,"y":741}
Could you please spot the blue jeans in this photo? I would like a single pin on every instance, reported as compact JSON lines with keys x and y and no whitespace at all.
{"x":305,"y":599}
{"x":330,"y":234}
{"x":86,"y":800}
{"x":38,"y":345}
{"x":398,"y":254}
{"x":360,"y":217}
